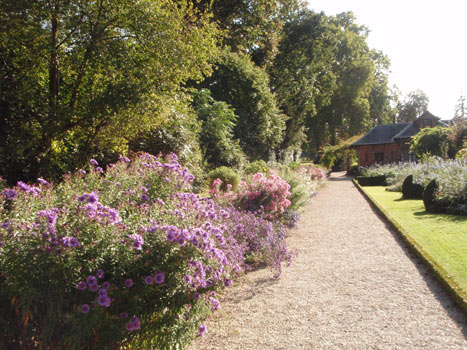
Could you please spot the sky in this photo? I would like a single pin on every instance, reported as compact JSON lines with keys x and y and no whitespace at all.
{"x":425,"y":41}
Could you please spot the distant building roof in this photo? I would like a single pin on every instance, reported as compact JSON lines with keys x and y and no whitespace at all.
{"x":391,"y":133}
{"x":381,"y":134}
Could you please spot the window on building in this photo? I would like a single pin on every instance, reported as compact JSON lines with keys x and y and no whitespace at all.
{"x":379,"y":157}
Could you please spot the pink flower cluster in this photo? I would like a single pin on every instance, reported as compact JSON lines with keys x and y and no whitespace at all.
{"x":267,"y":194}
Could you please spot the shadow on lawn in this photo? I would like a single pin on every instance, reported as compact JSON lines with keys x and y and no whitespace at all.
{"x":456,"y":218}
{"x":453,"y":310}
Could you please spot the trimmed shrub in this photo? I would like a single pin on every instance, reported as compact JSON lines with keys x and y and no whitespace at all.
{"x":411,"y":190}
{"x":227,"y":175}
{"x":378,"y":180}
{"x":429,"y":196}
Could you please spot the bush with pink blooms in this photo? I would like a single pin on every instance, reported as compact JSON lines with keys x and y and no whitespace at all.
{"x":125,"y":258}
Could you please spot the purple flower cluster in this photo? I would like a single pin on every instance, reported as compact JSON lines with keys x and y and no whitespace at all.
{"x":28,"y":189}
{"x":10,"y":193}
{"x":97,"y":210}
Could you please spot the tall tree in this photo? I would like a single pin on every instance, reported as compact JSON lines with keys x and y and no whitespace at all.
{"x":245,"y":86}
{"x":460,"y":111}
{"x":301,"y":75}
{"x":415,"y":103}
{"x":348,"y":112}
{"x":78,"y":75}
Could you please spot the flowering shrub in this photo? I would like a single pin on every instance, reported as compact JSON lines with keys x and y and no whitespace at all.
{"x":127,"y":258}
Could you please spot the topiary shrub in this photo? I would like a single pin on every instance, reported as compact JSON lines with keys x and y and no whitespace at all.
{"x":411,"y":190}
{"x":429,"y":195}
{"x":379,"y":180}
{"x":227,"y":175}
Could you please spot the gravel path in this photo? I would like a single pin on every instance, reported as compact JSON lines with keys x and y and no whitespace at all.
{"x":354,"y":285}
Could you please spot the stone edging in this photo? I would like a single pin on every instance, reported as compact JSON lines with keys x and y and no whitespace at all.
{"x":449,"y":285}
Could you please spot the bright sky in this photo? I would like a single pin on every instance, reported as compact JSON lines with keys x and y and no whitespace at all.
{"x":426,"y":42}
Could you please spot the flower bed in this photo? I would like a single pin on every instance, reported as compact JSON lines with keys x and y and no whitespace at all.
{"x":124,"y":258}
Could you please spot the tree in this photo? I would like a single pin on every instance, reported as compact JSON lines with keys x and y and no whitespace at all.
{"x":381,"y":96}
{"x":301,"y":75}
{"x":83,"y":76}
{"x":460,"y":109}
{"x":415,"y":103}
{"x":252,"y":27}
{"x":348,"y":112}
{"x":237,"y":81}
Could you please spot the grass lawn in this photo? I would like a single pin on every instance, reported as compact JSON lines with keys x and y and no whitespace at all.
{"x":442,"y":239}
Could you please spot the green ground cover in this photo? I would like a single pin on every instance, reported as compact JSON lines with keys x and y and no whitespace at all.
{"x":440,"y":238}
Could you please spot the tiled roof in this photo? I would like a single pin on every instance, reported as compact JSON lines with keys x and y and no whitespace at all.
{"x":386,"y":133}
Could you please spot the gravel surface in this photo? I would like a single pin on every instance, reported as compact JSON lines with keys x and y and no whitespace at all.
{"x":354,"y":285}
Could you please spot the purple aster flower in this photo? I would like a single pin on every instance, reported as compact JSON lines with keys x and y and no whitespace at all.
{"x":106,"y":285}
{"x":228,"y":282}
{"x":84,"y":308}
{"x":5,"y":224}
{"x":82,"y":172}
{"x":23,"y":186}
{"x":100,"y":273}
{"x":124,"y":159}
{"x":91,"y":280}
{"x":99,"y":170}
{"x":187,"y":279}
{"x":202,"y":330}
{"x":129,"y":326}
{"x":160,"y":277}
{"x":144,"y":197}
{"x":10,"y":193}
{"x":135,"y":322}
{"x":102,"y":291}
{"x":102,"y":300}
{"x":123,"y":315}
{"x":148,"y":280}
{"x":42,"y":181}
{"x":93,"y":287}
{"x":197,"y":296}
{"x":128,"y":283}
{"x":74,"y":242}
{"x":160,"y":201}
{"x":82,"y":286}
{"x":93,"y":162}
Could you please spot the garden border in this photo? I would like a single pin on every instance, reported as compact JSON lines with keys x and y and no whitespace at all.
{"x":450,"y":286}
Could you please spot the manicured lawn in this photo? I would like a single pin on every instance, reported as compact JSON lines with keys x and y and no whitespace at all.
{"x":441,"y":238}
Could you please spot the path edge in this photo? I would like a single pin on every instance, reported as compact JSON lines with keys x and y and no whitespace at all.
{"x":436,"y":270}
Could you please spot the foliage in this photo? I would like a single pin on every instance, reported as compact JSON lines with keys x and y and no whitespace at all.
{"x":411,"y":190}
{"x":252,"y":27}
{"x":458,"y":134}
{"x":415,"y":103}
{"x":216,"y":136}
{"x":433,"y":141}
{"x":462,"y":154}
{"x":228,"y":176}
{"x":124,"y":258}
{"x":257,"y":166}
{"x":81,"y":77}
{"x":301,"y":74}
{"x":244,"y":86}
{"x":342,"y":151}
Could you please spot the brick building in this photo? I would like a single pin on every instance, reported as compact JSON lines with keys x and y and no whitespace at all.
{"x":389,"y":143}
